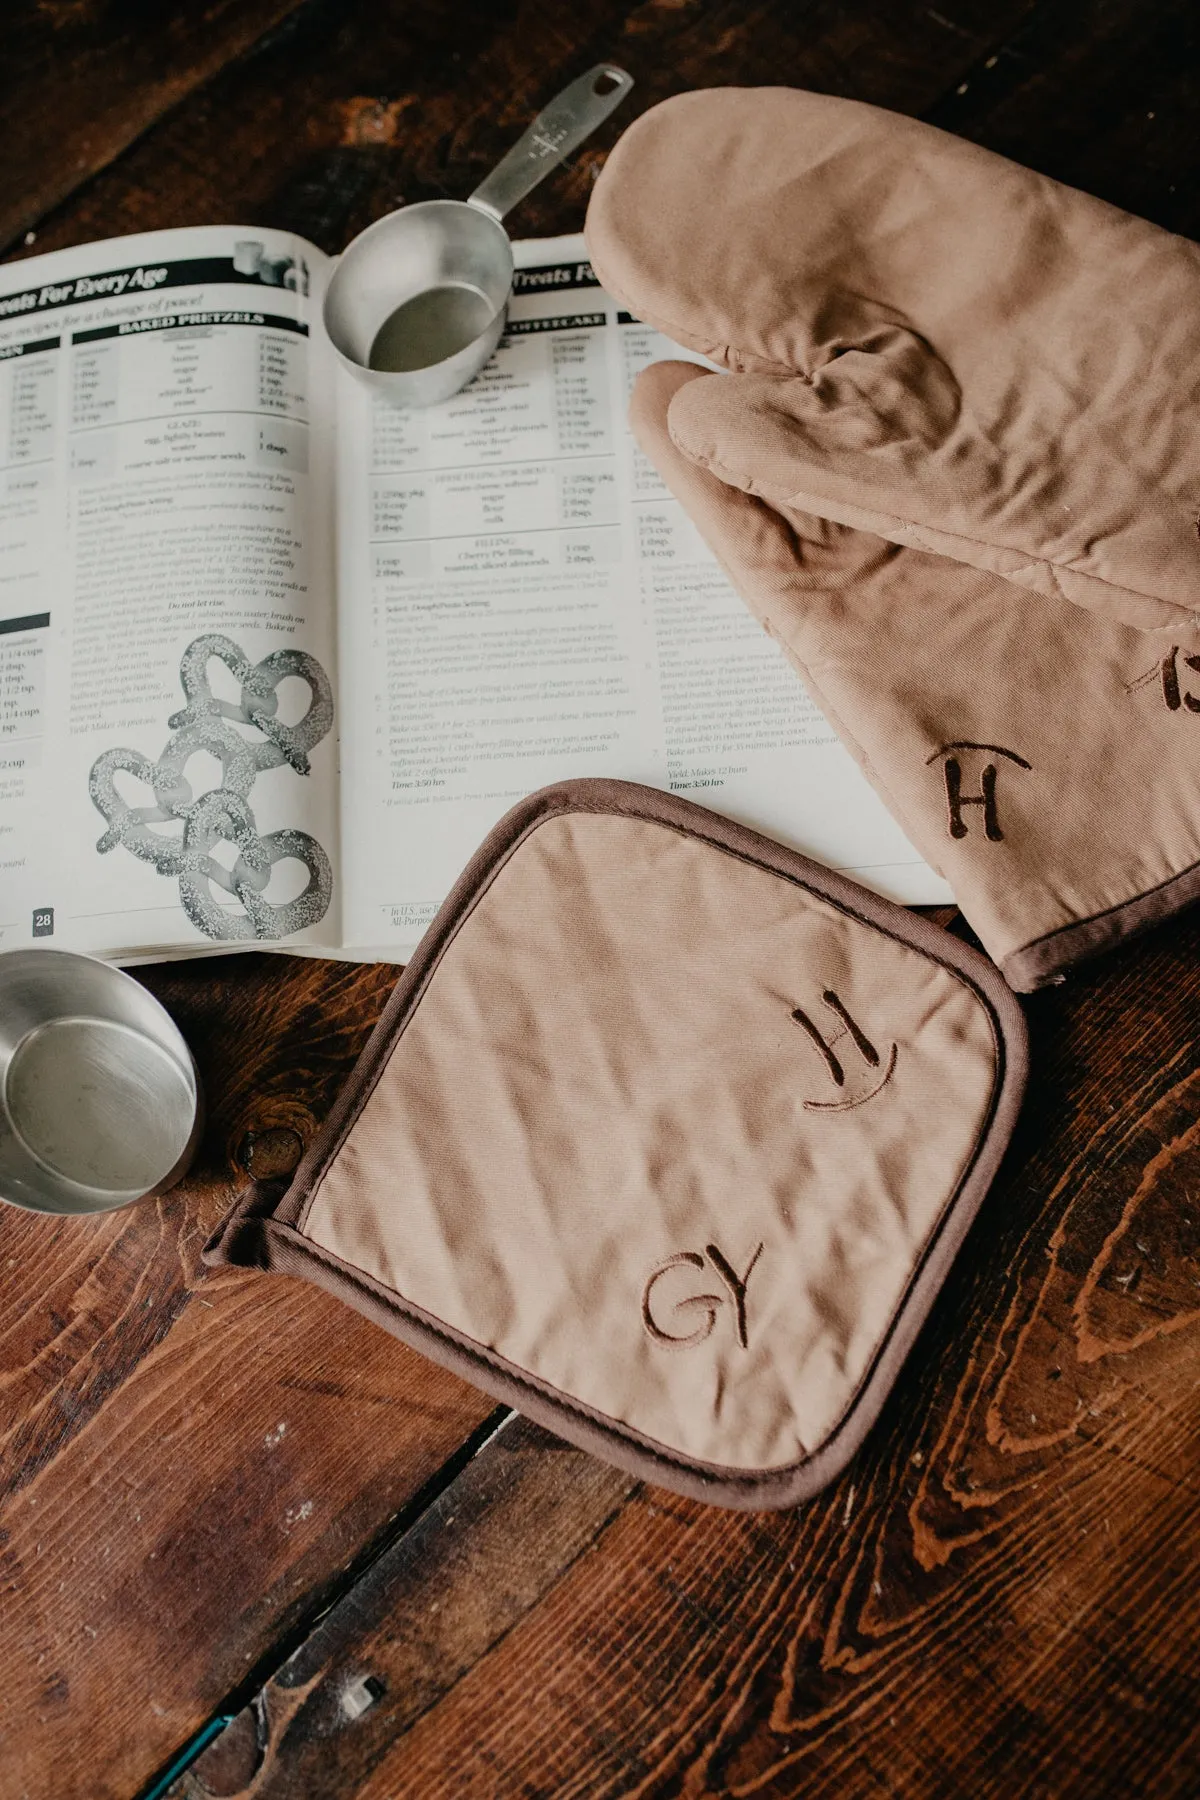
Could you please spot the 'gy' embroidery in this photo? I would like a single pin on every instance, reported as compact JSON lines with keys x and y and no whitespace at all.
{"x":709,"y":1305}
{"x":850,"y":1029}
{"x":957,"y":801}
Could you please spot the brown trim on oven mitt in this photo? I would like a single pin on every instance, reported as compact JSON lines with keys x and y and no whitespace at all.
{"x":952,"y":470}
{"x":667,"y":1137}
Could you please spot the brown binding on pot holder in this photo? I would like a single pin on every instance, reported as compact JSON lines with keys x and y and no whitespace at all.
{"x":667,"y":1136}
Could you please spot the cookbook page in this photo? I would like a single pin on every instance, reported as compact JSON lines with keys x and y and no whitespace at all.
{"x":167,"y":641}
{"x":521,"y":600}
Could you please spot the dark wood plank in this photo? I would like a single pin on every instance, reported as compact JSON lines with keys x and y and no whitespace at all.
{"x":84,"y":78}
{"x":522,"y":1514}
{"x":187,"y":1461}
{"x":993,"y":1601}
{"x":363,"y":105}
{"x":1102,"y":96}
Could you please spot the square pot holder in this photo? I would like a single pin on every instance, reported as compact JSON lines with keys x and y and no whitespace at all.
{"x":667,"y":1137}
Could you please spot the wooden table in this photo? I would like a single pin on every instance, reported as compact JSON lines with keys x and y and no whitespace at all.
{"x":226,"y":1497}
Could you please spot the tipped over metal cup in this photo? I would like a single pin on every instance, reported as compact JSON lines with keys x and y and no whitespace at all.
{"x":417,"y":302}
{"x":99,"y":1097}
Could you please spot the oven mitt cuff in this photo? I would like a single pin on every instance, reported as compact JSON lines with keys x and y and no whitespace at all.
{"x":667,"y":1137}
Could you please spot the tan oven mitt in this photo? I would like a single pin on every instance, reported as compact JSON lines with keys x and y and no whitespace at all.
{"x":667,"y":1137}
{"x":954,"y":472}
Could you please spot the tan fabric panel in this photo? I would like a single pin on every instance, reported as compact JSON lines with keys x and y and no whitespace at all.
{"x":603,"y":1113}
{"x":1089,"y":728}
{"x":939,"y":346}
{"x":952,"y":470}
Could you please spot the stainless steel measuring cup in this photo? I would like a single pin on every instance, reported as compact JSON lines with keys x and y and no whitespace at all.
{"x":417,"y":302}
{"x":99,"y":1097}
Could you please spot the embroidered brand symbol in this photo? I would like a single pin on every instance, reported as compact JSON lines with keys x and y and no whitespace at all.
{"x":656,"y":1307}
{"x":957,"y":801}
{"x":1173,"y":694}
{"x":847,"y":1028}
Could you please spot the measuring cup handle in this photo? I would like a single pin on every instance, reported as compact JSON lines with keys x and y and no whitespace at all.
{"x":572,"y":116}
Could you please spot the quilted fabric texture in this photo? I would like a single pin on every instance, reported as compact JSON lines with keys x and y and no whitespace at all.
{"x":668,"y":1136}
{"x":954,"y":473}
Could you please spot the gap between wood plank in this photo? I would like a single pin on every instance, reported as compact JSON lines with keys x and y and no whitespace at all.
{"x":269,"y":1664}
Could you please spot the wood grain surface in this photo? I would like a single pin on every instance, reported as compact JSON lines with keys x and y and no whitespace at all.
{"x":226,"y":1495}
{"x":994,"y":1600}
{"x":84,"y":78}
{"x":189,"y":1462}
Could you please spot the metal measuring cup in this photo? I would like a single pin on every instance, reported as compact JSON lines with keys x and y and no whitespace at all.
{"x":100,"y":1101}
{"x":417,"y":302}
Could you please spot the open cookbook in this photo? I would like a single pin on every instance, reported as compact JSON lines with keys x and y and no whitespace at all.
{"x":276,"y":654}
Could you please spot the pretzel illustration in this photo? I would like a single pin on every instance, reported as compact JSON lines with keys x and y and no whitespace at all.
{"x":223,"y":813}
{"x":131,"y":825}
{"x":259,"y":700}
{"x":223,"y":817}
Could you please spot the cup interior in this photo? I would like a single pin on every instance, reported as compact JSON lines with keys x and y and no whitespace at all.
{"x":419,"y":287}
{"x":99,"y":1100}
{"x":99,"y":1104}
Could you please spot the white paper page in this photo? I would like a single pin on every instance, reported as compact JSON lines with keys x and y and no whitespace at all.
{"x":166,"y":428}
{"x":521,"y":600}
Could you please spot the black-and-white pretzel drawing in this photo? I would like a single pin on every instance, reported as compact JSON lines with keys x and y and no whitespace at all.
{"x":179,"y":832}
{"x":221,"y":817}
{"x":131,"y":825}
{"x":259,"y":701}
